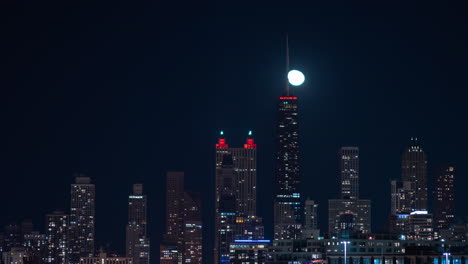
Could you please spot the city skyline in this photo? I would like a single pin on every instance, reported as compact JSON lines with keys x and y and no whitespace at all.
{"x":124,"y":93}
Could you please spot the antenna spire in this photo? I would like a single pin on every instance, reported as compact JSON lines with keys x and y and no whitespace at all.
{"x":287,"y":65}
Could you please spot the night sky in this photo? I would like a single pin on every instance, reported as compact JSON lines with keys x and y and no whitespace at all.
{"x":127,"y":90}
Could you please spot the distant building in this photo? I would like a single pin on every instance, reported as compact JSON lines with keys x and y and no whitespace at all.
{"x":82,"y":218}
{"x":249,"y":251}
{"x":349,"y":215}
{"x":236,"y":196}
{"x":414,"y":170}
{"x":183,"y":241}
{"x":420,"y":226}
{"x":137,"y":241}
{"x":57,"y":232}
{"x":104,"y":259}
{"x":193,"y":228}
{"x":169,"y":254}
{"x":444,"y":198}
{"x":360,"y":211}
{"x":310,"y":229}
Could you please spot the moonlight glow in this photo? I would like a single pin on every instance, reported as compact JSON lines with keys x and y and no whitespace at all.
{"x":296,"y":77}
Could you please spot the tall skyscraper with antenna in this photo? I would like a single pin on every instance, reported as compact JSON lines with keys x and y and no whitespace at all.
{"x":287,"y":197}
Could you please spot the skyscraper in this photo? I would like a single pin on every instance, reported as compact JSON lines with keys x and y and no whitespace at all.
{"x":444,"y":198}
{"x":184,"y":237}
{"x":235,"y":204}
{"x":287,"y":199}
{"x":57,"y":233}
{"x":349,"y":214}
{"x":175,"y":203}
{"x":225,"y":209}
{"x":245,"y":167}
{"x":137,"y":242}
{"x":193,"y":228}
{"x":349,"y":159}
{"x":82,"y":221}
{"x":414,"y":170}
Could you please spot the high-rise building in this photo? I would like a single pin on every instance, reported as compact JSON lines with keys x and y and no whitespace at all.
{"x":414,"y":170}
{"x":235,"y":202}
{"x":287,"y":195}
{"x":82,"y":218}
{"x":193,"y":228}
{"x":172,"y":246}
{"x":349,"y":159}
{"x":444,"y":198}
{"x":349,"y":211}
{"x":245,"y":167}
{"x":225,"y":208}
{"x":137,"y":241}
{"x":183,"y":239}
{"x":310,"y":229}
{"x":175,"y":205}
{"x":57,"y":232}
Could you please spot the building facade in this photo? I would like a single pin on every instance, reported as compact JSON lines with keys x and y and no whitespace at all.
{"x":414,"y":170}
{"x":82,"y":218}
{"x":287,"y":195}
{"x":137,"y":241}
{"x":57,"y":232}
{"x":444,"y":195}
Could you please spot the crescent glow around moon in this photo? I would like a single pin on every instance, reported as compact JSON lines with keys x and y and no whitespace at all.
{"x":296,"y":77}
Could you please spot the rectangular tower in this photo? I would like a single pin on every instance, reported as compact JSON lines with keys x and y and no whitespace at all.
{"x":414,"y":170}
{"x":57,"y":232}
{"x":137,"y":242}
{"x":444,"y":198}
{"x":349,"y":161}
{"x":287,"y":196}
{"x":82,"y":218}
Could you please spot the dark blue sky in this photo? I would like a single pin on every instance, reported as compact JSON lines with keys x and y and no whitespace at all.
{"x":125,"y":90}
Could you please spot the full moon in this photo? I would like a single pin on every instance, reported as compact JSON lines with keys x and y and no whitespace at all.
{"x":296,"y":77}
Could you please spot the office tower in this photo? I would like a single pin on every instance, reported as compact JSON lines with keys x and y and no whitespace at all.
{"x":310,"y":229}
{"x":173,"y":238}
{"x":287,"y":197}
{"x":175,"y":204}
{"x":340,"y":211}
{"x":235,"y":198}
{"x":193,"y":227}
{"x":137,"y":242}
{"x":245,"y":167}
{"x":82,"y":218}
{"x":414,"y":170}
{"x":349,"y":159}
{"x":225,"y":208}
{"x":57,"y":232}
{"x":444,"y":198}
{"x":420,"y":226}
{"x":183,"y":239}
